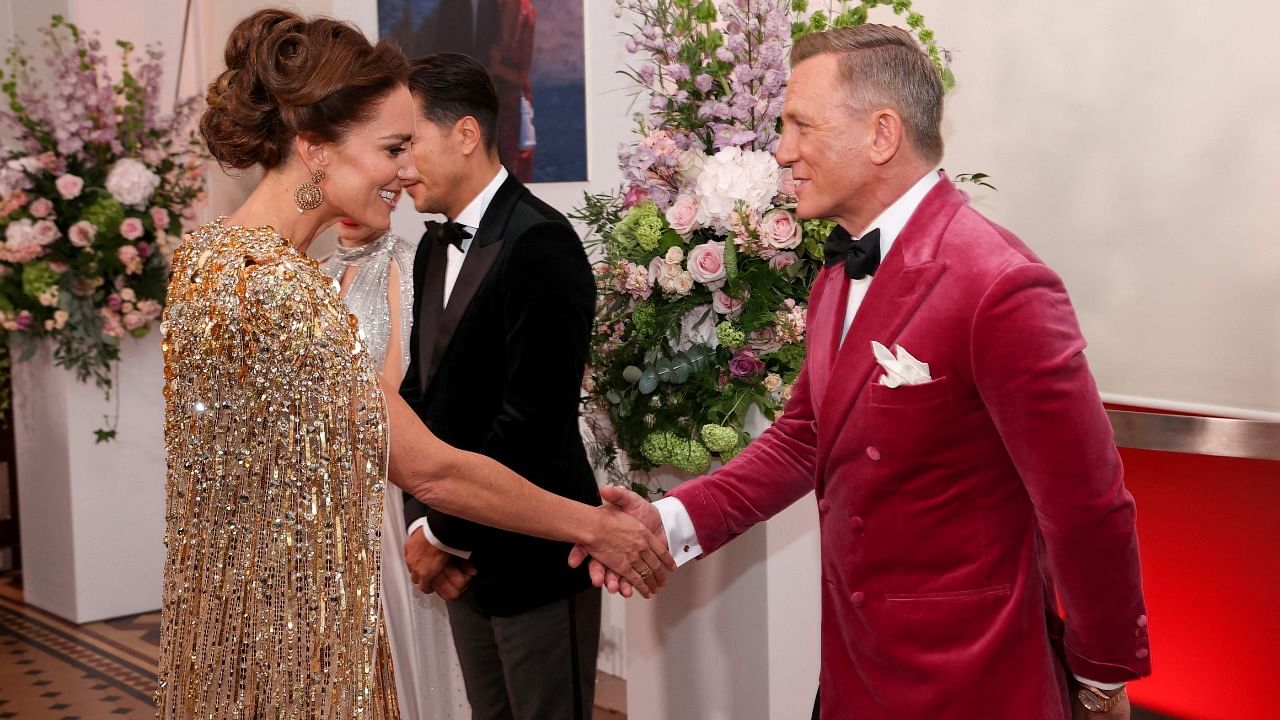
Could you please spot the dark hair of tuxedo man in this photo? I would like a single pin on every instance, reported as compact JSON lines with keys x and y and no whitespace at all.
{"x":451,"y":86}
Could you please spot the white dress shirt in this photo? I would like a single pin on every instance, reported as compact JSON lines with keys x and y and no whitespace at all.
{"x":469,"y":218}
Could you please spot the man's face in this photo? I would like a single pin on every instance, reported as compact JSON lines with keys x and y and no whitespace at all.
{"x":824,"y":142}
{"x":437,"y":154}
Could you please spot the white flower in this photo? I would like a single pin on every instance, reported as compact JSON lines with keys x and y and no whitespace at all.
{"x":132,"y":183}
{"x":691,"y":164}
{"x":732,"y":178}
{"x":697,"y":327}
{"x":675,"y":255}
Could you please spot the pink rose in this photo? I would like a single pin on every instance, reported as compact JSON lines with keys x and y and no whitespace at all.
{"x":782,"y":260}
{"x":134,"y":320}
{"x":779,"y":229}
{"x":58,"y":267}
{"x":40,"y":207}
{"x":150,"y":309}
{"x":726,"y":304}
{"x":160,"y":218}
{"x":115,"y":302}
{"x":682,"y":283}
{"x":656,"y":269}
{"x":131,"y":228}
{"x":128,"y":255}
{"x":144,"y":249}
{"x":82,"y":233}
{"x":69,"y":186}
{"x":706,"y":264}
{"x":764,"y":340}
{"x":683,"y":215}
{"x":24,"y":320}
{"x":45,"y":232}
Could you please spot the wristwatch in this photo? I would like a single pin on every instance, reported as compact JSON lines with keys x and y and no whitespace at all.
{"x":1095,"y":700}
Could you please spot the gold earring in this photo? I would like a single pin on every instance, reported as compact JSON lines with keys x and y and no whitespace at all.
{"x":309,"y":196}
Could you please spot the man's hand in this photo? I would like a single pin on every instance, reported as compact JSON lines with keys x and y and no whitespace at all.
{"x":453,"y":579}
{"x":425,"y":561}
{"x":1120,"y":711}
{"x":603,"y":574}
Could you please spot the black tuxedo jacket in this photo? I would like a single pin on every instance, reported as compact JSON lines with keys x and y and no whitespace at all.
{"x":499,"y":372}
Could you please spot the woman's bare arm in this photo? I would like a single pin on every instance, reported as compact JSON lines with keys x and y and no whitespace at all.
{"x":478,"y":488}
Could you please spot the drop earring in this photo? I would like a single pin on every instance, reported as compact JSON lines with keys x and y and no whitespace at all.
{"x":309,"y":196}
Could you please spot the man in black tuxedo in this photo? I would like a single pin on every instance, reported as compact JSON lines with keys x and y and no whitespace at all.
{"x":504,"y":300}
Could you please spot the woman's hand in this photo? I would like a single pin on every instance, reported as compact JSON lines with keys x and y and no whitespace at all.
{"x":624,"y":545}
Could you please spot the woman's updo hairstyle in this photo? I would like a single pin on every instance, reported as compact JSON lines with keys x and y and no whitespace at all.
{"x":287,"y":76}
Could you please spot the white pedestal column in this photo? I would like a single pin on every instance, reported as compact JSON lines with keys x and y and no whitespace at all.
{"x":733,"y":636}
{"x":92,"y":514}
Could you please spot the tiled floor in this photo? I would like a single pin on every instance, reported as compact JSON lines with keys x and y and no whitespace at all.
{"x":54,"y":670}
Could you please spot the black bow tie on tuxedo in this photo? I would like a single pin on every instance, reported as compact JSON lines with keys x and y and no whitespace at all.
{"x":447,"y":232}
{"x":861,"y":257}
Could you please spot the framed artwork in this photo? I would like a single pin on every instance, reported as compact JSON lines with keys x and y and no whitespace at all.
{"x":535,"y":53}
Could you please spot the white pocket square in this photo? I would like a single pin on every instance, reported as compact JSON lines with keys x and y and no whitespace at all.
{"x":901,"y":370}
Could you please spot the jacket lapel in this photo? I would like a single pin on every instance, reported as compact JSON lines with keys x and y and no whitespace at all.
{"x":475,"y":268}
{"x":826,"y":312}
{"x":906,"y":277}
{"x":430,"y":301}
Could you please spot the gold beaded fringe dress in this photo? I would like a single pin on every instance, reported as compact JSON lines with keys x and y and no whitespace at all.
{"x":276,"y":440}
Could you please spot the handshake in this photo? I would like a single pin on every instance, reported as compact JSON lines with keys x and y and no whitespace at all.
{"x":634,"y":556}
{"x":625,"y":547}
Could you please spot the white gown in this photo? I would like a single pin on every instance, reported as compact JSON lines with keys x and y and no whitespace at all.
{"x":428,"y":677}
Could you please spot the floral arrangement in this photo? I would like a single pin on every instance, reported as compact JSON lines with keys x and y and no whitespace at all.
{"x":96,"y":187}
{"x":703,"y":268}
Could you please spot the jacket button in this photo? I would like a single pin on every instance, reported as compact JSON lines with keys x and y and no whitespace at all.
{"x":873,"y":453}
{"x":823,"y":506}
{"x":1142,"y":653}
{"x":859,"y":599}
{"x":1142,"y":621}
{"x":856,"y":523}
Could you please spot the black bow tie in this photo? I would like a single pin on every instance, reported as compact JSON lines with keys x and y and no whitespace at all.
{"x":861,"y":257}
{"x":447,"y":232}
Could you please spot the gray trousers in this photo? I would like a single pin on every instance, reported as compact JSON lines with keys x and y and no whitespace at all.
{"x":538,"y":665}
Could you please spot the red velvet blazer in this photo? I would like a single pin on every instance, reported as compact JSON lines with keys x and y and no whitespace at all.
{"x":958,"y":515}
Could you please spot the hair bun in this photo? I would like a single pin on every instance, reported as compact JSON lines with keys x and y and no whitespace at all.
{"x":282,"y":78}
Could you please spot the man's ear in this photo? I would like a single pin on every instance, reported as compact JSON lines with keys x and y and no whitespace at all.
{"x":887,"y":136}
{"x":470,"y":136}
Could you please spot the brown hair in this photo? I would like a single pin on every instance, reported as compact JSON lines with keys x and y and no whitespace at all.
{"x":882,"y":66}
{"x":287,"y":76}
{"x":451,"y":86}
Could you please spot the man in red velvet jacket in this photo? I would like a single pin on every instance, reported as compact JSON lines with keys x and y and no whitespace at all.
{"x":967,"y":478}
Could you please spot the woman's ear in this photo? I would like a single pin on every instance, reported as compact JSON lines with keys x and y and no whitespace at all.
{"x":314,"y":154}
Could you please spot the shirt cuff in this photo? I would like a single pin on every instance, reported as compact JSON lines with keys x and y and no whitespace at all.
{"x":682,"y":540}
{"x":1100,"y":685}
{"x":431,"y":538}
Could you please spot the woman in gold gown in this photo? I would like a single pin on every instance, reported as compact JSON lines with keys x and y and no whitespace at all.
{"x":278,"y":435}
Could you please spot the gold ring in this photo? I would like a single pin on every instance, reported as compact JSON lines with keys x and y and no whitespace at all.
{"x":644,"y":573}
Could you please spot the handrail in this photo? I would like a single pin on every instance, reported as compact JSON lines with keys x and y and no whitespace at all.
{"x":1223,"y":437}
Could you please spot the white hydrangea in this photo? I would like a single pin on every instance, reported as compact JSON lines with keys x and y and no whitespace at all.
{"x":132,"y":183}
{"x":734,"y":176}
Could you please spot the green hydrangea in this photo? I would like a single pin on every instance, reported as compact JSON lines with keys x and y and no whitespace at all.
{"x":730,"y":336}
{"x":666,"y":448}
{"x":731,"y":454}
{"x":641,"y":227}
{"x":691,"y":456}
{"x":38,"y":278}
{"x":105,"y":215}
{"x":644,"y":318}
{"x":719,"y":438}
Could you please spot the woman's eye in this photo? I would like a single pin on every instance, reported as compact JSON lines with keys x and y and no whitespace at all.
{"x":397,"y":150}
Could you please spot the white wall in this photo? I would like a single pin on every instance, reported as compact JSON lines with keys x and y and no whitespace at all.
{"x":1135,"y":148}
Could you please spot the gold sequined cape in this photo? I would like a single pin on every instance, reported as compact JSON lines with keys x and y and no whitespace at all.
{"x":276,"y":437}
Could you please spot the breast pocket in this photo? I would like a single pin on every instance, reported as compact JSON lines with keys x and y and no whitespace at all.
{"x":934,"y":392}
